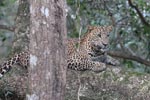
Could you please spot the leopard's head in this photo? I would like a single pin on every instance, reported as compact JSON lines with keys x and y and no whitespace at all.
{"x":98,"y":38}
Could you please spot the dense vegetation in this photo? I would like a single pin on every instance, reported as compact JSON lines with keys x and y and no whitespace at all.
{"x":129,"y":44}
{"x":131,"y":22}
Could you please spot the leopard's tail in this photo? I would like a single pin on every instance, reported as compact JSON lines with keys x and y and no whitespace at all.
{"x":6,"y":66}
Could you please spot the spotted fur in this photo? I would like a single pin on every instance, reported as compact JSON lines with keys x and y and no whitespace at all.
{"x":20,"y":59}
{"x":96,"y":39}
{"x":78,"y":57}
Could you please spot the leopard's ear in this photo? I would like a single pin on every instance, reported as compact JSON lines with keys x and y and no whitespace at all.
{"x":110,"y":28}
{"x":90,"y":27}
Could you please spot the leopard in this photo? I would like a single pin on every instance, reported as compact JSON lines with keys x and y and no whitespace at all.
{"x":96,"y":39}
{"x":79,"y":58}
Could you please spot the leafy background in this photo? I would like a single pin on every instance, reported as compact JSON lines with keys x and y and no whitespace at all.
{"x":130,"y":34}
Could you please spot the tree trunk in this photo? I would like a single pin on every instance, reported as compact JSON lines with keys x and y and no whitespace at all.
{"x":47,"y":72}
{"x":22,"y":21}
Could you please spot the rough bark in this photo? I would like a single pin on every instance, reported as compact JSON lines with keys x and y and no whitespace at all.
{"x":47,"y":75}
{"x":22,"y":21}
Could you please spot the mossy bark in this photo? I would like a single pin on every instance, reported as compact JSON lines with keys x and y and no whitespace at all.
{"x":22,"y":25}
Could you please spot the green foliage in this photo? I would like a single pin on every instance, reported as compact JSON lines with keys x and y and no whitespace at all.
{"x":8,"y":10}
{"x":134,"y":35}
{"x":7,"y":2}
{"x":2,"y":37}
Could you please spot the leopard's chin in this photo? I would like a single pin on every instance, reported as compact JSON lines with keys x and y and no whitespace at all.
{"x":103,"y":50}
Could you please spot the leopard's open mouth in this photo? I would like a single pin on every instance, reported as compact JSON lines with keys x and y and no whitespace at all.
{"x":100,"y":50}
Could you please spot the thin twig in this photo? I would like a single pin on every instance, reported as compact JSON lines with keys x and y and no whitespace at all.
{"x":4,"y":27}
{"x":80,"y":21}
{"x":109,"y":13}
{"x":139,"y":13}
{"x":79,"y":89}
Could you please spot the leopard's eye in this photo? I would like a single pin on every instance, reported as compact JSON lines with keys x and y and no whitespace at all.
{"x":99,"y":35}
{"x":107,"y":35}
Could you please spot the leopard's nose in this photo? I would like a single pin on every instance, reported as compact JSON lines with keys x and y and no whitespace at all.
{"x":105,"y":44}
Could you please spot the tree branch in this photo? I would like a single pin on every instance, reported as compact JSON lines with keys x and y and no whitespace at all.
{"x":139,"y":13}
{"x":120,"y":54}
{"x":4,"y":27}
{"x":109,"y":13}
